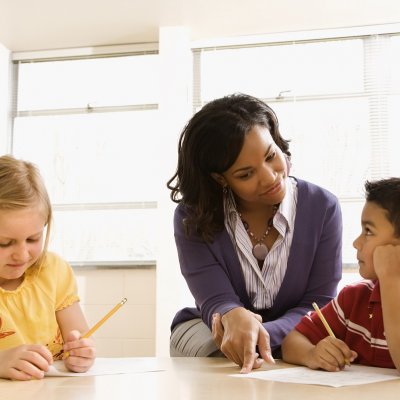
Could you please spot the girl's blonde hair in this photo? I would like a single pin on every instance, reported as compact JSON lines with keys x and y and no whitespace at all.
{"x":22,"y":186}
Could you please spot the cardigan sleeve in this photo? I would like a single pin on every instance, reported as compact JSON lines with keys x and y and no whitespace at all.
{"x":215,"y":279}
{"x":205,"y":273}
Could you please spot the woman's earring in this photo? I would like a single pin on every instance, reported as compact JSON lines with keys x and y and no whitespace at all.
{"x":225,"y":189}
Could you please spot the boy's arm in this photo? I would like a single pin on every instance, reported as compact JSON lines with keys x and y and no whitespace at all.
{"x":296,"y":348}
{"x":387,"y":268}
{"x":328,"y":354}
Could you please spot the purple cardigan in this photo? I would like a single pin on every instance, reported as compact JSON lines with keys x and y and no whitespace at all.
{"x":214,"y":275}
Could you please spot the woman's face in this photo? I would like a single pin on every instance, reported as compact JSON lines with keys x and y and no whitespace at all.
{"x":376,"y":231}
{"x":257,"y":177}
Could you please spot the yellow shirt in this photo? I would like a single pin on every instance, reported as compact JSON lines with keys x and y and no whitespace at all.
{"x":28,"y":314}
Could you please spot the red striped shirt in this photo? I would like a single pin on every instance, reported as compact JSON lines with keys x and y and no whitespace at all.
{"x":355,"y":316}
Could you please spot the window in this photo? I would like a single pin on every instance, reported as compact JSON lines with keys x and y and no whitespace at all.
{"x":337,"y":100}
{"x":89,"y":124}
{"x":80,"y":121}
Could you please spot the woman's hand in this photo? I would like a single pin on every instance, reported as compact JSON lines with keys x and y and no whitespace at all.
{"x":237,"y":334}
{"x":25,"y":362}
{"x":218,"y":328}
{"x":81,"y":352}
{"x":330,"y":354}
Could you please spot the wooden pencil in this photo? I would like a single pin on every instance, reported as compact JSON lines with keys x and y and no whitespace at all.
{"x":100,"y":323}
{"x":326,"y":325}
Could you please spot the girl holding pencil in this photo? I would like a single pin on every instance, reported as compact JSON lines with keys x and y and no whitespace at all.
{"x":40,"y":315}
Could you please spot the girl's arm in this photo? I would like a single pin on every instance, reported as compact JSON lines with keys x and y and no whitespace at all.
{"x":73,"y":325}
{"x":387,"y":268}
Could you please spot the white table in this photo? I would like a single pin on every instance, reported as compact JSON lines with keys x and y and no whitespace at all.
{"x":188,"y":379}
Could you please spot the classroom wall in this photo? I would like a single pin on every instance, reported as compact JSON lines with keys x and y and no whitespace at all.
{"x":5,"y":93}
{"x":141,"y":327}
{"x":149,"y":315}
{"x":131,"y":331}
{"x":175,"y":107}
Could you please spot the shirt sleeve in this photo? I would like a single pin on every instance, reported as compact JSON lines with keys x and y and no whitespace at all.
{"x":208,"y":280}
{"x":312,"y":327}
{"x":67,"y":290}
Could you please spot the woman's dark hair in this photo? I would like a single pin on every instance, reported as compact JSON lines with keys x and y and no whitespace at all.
{"x":386,"y":194}
{"x":211,"y":142}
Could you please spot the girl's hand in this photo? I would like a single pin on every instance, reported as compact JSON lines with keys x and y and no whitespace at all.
{"x":241,"y":332}
{"x":330,"y":354}
{"x":82,"y":352}
{"x":25,"y":362}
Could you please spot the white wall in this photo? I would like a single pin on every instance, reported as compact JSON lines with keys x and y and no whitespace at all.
{"x":5,"y":97}
{"x":175,"y":109}
{"x":131,"y":331}
{"x":35,"y":25}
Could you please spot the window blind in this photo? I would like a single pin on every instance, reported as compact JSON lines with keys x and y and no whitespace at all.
{"x":336,"y":100}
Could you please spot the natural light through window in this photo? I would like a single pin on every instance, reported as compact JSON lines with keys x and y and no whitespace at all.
{"x":91,"y":125}
{"x":335,"y":102}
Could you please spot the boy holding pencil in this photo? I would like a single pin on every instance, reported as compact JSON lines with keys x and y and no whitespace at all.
{"x":364,"y":318}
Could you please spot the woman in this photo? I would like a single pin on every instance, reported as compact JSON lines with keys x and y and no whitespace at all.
{"x":255,"y":246}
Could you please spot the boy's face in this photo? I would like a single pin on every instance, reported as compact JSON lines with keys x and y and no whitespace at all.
{"x":376,"y":231}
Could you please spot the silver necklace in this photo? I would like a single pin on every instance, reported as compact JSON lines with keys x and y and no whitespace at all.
{"x":260,"y":249}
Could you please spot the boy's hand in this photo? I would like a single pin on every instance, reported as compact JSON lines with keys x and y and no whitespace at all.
{"x":25,"y":362}
{"x":82,"y":352}
{"x":330,"y":354}
{"x":386,"y":261}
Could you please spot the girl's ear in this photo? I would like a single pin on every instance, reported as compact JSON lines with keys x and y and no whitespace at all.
{"x":218,"y":178}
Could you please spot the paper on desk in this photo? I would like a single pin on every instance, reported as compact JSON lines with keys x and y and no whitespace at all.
{"x":352,"y":375}
{"x":108,"y":366}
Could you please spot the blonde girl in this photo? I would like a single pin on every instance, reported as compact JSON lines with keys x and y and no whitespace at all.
{"x":40,"y":315}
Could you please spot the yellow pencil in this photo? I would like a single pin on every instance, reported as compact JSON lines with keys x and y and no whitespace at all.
{"x":101,"y":322}
{"x":327,"y":327}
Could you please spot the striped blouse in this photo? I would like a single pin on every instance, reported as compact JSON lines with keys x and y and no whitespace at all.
{"x":262,"y":285}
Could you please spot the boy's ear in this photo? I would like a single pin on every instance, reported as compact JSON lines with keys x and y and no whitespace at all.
{"x":218,"y":178}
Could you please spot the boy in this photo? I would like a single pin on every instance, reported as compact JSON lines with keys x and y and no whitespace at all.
{"x":365,"y":316}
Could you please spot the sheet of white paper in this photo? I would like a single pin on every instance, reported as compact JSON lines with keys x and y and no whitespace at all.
{"x":352,"y":375}
{"x":109,"y":366}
